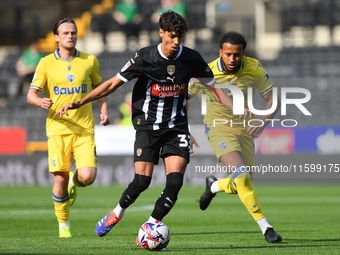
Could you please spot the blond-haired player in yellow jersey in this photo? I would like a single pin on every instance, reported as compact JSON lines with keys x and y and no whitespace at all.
{"x":232,"y":139}
{"x":68,"y":75}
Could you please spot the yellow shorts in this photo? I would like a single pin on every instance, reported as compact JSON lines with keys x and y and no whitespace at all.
{"x":62,"y":147}
{"x":224,"y":139}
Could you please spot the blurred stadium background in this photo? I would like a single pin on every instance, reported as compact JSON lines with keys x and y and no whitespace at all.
{"x":297,"y":42}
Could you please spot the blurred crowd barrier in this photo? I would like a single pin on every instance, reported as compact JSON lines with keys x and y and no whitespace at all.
{"x":119,"y":140}
{"x":119,"y":170}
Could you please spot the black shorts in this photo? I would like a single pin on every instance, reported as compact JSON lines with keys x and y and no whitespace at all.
{"x":152,"y":144}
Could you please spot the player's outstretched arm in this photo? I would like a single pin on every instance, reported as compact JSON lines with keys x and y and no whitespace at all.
{"x":103,"y":90}
{"x":225,"y":98}
{"x":228,"y":102}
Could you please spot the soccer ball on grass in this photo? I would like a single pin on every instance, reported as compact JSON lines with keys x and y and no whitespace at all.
{"x":153,"y":236}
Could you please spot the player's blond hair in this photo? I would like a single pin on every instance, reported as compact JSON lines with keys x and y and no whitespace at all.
{"x":62,"y":21}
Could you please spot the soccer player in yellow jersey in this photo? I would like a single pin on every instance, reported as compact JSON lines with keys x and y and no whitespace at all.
{"x":232,"y":139}
{"x":68,"y":75}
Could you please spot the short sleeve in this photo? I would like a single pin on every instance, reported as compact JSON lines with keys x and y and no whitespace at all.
{"x":132,"y":69}
{"x":263,"y":81}
{"x":203,"y":72}
{"x":39,"y":78}
{"x":96,"y":76}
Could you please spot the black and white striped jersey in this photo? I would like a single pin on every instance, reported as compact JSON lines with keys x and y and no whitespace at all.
{"x":161,"y":90}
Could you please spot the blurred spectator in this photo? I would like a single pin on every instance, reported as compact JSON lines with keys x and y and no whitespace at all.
{"x":165,"y":5}
{"x":125,"y":109}
{"x":127,"y":14}
{"x":26,"y":66}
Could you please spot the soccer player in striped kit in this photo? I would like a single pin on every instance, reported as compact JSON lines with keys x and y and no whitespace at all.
{"x":159,"y":114}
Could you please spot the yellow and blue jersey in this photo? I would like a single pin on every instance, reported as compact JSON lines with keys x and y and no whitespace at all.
{"x":251,"y":74}
{"x":66,"y":81}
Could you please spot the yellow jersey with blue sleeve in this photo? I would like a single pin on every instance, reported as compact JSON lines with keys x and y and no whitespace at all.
{"x":65,"y":81}
{"x":251,"y":74}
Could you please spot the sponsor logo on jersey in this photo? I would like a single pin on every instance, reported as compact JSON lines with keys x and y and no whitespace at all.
{"x":222,"y":145}
{"x":54,"y":161}
{"x":70,"y":90}
{"x":168,"y":90}
{"x":171,"y":69}
{"x":70,"y":77}
{"x":171,"y":79}
{"x":127,"y":65}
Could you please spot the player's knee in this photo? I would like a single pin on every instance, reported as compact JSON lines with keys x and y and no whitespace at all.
{"x":134,"y":189}
{"x":142,"y":182}
{"x":243,"y":179}
{"x":139,"y":184}
{"x":88,"y":180}
{"x":85,"y":178}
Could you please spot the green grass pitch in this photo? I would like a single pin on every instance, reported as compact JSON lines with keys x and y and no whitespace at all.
{"x":307,"y":217}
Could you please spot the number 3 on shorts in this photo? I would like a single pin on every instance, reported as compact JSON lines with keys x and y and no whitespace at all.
{"x":183,"y":142}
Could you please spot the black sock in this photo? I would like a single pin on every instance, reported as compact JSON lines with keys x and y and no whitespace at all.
{"x":134,"y":189}
{"x":168,"y":197}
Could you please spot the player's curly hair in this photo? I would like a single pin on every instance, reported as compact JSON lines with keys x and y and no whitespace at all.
{"x":64,"y":20}
{"x":172,"y":21}
{"x":233,"y":38}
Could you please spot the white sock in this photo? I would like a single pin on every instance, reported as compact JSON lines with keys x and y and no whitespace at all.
{"x":119,"y":211}
{"x":214,"y":187}
{"x":64,"y":224}
{"x":70,"y":182}
{"x":152,"y":219}
{"x":263,"y":224}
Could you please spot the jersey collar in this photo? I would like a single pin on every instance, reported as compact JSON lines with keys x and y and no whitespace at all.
{"x":163,"y":56}
{"x":57,"y":55}
{"x":220,"y":66}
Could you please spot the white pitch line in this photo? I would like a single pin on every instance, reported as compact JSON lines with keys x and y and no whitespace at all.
{"x":29,"y":212}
